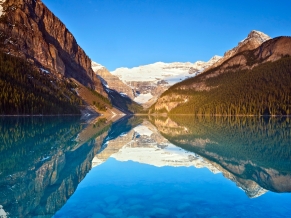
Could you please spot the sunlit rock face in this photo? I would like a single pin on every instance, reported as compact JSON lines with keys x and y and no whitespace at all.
{"x":111,"y":81}
{"x":252,"y":41}
{"x":32,"y":31}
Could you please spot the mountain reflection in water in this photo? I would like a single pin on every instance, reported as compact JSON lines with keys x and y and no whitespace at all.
{"x":42,"y":161}
{"x":180,"y":166}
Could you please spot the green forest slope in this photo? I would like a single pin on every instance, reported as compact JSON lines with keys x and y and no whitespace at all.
{"x":24,"y":90}
{"x":263,"y":90}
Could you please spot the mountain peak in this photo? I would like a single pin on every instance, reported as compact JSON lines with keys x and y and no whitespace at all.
{"x":96,"y":66}
{"x":254,"y":34}
{"x":215,"y":58}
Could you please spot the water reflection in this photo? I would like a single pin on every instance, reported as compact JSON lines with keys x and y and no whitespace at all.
{"x":189,"y":167}
{"x":252,"y":151}
{"x":42,"y":161}
{"x":178,"y":166}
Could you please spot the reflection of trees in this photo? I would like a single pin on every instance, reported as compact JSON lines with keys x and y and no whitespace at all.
{"x":30,"y":139}
{"x":251,"y":147}
{"x":43,"y":160}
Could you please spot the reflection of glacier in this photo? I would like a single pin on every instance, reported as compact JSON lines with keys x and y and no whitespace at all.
{"x":3,"y":214}
{"x":144,"y":144}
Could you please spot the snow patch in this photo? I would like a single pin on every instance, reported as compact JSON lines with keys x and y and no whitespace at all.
{"x":143,"y":98}
{"x":171,"y":155}
{"x":162,"y":71}
{"x":123,"y":94}
{"x":96,"y":66}
{"x":3,"y":214}
{"x":96,"y":162}
{"x":45,"y":158}
{"x":143,"y":130}
{"x":44,"y":71}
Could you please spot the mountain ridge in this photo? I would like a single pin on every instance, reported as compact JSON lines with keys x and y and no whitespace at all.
{"x":226,"y":89}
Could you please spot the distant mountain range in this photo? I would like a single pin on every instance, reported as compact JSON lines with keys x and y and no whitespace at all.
{"x":144,"y":84}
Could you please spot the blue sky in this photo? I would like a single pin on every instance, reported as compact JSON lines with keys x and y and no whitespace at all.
{"x":128,"y":33}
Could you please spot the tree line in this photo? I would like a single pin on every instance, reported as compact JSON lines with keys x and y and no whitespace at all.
{"x":24,"y":90}
{"x":264,"y":90}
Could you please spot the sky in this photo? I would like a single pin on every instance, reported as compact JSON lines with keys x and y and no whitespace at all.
{"x":131,"y":33}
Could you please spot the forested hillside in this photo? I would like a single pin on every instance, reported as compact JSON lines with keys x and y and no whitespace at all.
{"x":26,"y":90}
{"x":263,"y":90}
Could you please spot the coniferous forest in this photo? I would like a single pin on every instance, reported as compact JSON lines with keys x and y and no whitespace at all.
{"x":263,"y":90}
{"x":24,"y":90}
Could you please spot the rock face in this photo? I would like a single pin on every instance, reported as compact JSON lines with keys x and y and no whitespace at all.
{"x":29,"y":29}
{"x":113,"y":82}
{"x":253,"y":41}
{"x":150,"y":81}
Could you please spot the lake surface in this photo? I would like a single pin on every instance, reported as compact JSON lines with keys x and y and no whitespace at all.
{"x":180,"y":166}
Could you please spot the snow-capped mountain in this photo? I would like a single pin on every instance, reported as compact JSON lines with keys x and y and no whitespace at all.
{"x":149,"y":81}
{"x":96,"y":66}
{"x":252,"y":41}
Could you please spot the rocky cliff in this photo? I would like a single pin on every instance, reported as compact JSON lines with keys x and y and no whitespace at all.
{"x":30,"y":30}
{"x":252,"y":41}
{"x":111,"y":81}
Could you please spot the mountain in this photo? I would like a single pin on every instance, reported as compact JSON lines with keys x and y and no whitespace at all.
{"x":111,"y":81}
{"x":149,"y":81}
{"x":252,"y":41}
{"x":31,"y":32}
{"x":251,"y":82}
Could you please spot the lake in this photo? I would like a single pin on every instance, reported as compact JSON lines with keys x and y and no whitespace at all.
{"x":177,"y":166}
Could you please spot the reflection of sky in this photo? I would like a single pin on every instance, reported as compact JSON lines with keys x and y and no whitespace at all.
{"x":123,"y":189}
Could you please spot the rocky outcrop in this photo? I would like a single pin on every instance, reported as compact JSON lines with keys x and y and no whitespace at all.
{"x":113,"y":82}
{"x":253,"y":41}
{"x":30,"y":30}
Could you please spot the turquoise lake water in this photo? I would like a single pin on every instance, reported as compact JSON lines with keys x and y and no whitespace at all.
{"x":154,"y":167}
{"x":128,"y":189}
